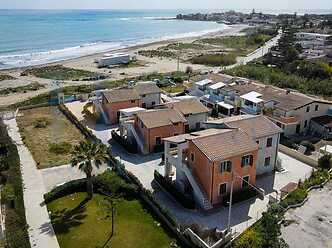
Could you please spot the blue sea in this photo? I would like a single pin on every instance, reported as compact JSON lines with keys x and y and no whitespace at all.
{"x":33,"y":37}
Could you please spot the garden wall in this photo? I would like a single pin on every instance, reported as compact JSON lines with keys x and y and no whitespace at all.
{"x":298,"y":156}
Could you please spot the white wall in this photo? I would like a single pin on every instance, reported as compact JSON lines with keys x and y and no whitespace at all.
{"x":193,"y":119}
{"x":264,"y":152}
{"x":148,"y":99}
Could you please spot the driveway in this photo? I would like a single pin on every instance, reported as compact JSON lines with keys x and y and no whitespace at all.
{"x":142,"y":166}
{"x":246,"y":213}
{"x":312,"y":223}
{"x":56,"y":176}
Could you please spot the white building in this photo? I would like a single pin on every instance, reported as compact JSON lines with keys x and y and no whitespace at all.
{"x":110,"y":59}
{"x":150,"y":94}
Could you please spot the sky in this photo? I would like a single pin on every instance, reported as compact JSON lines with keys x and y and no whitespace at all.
{"x":166,"y":4}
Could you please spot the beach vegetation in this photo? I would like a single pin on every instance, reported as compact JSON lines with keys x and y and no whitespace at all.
{"x":59,"y":72}
{"x":6,"y":77}
{"x":215,"y":59}
{"x":49,"y":135}
{"x":16,"y":228}
{"x":22,"y":89}
{"x":157,"y":53}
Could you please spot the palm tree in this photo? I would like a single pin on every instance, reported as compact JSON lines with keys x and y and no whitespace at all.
{"x":87,"y":155}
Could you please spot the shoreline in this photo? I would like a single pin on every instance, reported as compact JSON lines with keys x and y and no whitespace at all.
{"x":228,"y":30}
{"x":151,"y":65}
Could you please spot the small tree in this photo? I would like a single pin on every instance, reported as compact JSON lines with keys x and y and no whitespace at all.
{"x":189,"y":71}
{"x":86,"y":156}
{"x":325,"y":162}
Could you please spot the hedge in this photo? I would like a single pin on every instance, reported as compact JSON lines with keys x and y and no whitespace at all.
{"x":185,"y":201}
{"x":16,"y":233}
{"x":108,"y":183}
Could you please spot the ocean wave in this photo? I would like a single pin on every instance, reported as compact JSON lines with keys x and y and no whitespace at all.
{"x":44,"y":57}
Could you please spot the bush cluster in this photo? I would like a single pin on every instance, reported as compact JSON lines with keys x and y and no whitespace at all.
{"x":108,"y":183}
{"x":60,"y":148}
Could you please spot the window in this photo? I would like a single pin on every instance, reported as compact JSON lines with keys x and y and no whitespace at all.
{"x":223,"y":189}
{"x":158,"y":140}
{"x":245,"y":182}
{"x":132,"y":101}
{"x":143,"y":105}
{"x":143,"y":95}
{"x":257,"y":141}
{"x":175,"y":124}
{"x":308,"y":109}
{"x":142,"y":125}
{"x":305,"y":123}
{"x":269,"y":142}
{"x":267,"y":161}
{"x":226,"y":166}
{"x":316,"y":107}
{"x":192,"y":157}
{"x":153,"y":103}
{"x":247,"y":160}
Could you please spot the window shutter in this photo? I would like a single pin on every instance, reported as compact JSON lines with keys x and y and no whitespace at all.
{"x":242,"y":163}
{"x":251,"y":160}
{"x":229,"y":166}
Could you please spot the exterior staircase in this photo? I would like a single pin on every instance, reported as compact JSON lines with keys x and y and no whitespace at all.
{"x":139,"y":142}
{"x":199,"y":192}
{"x":101,"y":110}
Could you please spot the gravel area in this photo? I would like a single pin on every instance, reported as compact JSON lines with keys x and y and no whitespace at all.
{"x":311,"y":224}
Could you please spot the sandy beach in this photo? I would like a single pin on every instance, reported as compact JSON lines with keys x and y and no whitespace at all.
{"x":161,"y":65}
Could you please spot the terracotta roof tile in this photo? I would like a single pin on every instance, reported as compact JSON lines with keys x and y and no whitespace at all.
{"x":160,"y":117}
{"x":225,"y":144}
{"x":188,"y":106}
{"x":120,"y":95}
{"x":256,"y":126}
{"x":146,"y":88}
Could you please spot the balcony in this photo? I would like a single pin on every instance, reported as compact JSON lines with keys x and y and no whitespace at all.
{"x":290,"y":120}
{"x":251,"y":110}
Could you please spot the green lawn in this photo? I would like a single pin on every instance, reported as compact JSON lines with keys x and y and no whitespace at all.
{"x":89,"y":226}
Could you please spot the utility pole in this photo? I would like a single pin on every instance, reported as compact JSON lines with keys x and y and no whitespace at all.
{"x":178,"y":62}
{"x":230,"y":204}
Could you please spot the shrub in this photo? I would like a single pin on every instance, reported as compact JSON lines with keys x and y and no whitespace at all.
{"x":107,"y":183}
{"x":250,"y":238}
{"x":244,"y":195}
{"x":307,"y":144}
{"x":60,"y":148}
{"x":41,"y":123}
{"x":324,"y":162}
{"x":12,"y":196}
{"x":215,"y":59}
{"x":184,"y":200}
{"x":295,"y":197}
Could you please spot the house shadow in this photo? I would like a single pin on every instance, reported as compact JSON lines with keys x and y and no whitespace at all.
{"x":135,"y":159}
{"x":266,"y":182}
{"x":66,"y":219}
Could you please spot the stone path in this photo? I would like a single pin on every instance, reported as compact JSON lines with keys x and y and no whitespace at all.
{"x":40,"y":230}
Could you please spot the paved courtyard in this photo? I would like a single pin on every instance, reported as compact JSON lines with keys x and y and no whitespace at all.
{"x":56,"y":176}
{"x":312,"y":223}
{"x":246,"y":213}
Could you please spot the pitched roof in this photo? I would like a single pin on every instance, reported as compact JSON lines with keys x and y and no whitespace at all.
{"x":120,"y":95}
{"x":256,"y":126}
{"x":146,"y":88}
{"x":160,"y":117}
{"x":225,"y":144}
{"x":188,"y":106}
{"x":283,"y":99}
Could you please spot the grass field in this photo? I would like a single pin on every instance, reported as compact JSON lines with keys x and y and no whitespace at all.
{"x":89,"y":225}
{"x":59,"y":72}
{"x":49,"y":135}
